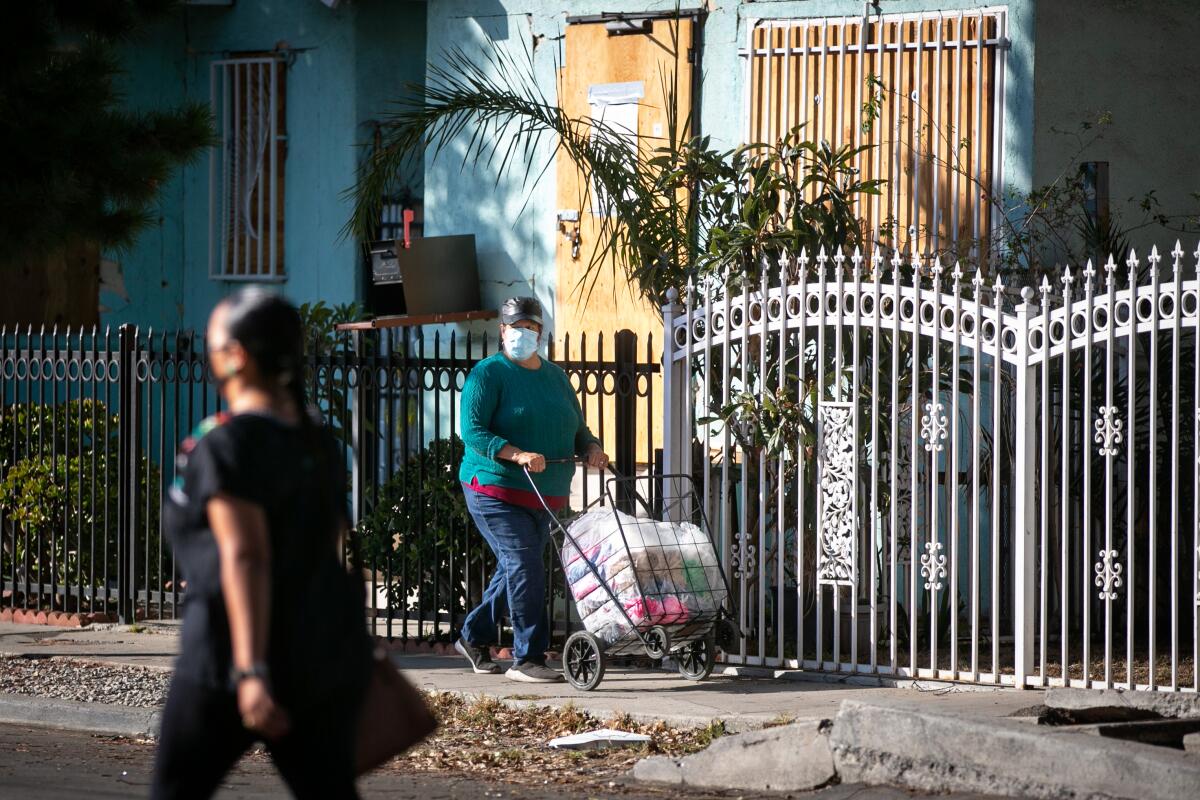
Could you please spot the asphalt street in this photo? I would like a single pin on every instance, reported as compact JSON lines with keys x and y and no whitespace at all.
{"x":42,"y":764}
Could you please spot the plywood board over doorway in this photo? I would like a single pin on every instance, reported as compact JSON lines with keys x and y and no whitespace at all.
{"x":594,"y":59}
{"x":592,"y":311}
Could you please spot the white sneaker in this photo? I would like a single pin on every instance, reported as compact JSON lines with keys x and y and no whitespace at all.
{"x":528,"y":672}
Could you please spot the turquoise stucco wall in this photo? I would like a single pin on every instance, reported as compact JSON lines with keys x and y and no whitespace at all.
{"x":1128,"y":63}
{"x":514,"y":218}
{"x":347,"y":61}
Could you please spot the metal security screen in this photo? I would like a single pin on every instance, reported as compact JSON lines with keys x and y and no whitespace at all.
{"x":935,"y":82}
{"x":246,"y":169}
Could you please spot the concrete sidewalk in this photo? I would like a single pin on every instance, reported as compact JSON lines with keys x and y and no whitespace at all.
{"x":742,"y":703}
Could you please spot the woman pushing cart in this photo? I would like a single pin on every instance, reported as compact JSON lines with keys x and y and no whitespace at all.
{"x":522,"y":426}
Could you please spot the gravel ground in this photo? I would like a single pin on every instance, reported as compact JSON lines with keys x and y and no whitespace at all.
{"x":86,"y":681}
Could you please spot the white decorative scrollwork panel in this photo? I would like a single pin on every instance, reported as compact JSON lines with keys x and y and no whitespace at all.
{"x":1108,"y":431}
{"x":742,"y":557}
{"x":837,"y":551}
{"x":933,"y":566}
{"x":1108,"y":575}
{"x":933,"y":427}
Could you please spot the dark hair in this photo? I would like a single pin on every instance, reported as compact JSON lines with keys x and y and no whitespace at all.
{"x":269,"y":329}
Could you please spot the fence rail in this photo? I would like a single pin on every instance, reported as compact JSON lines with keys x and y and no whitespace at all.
{"x":919,"y":472}
{"x":90,"y":421}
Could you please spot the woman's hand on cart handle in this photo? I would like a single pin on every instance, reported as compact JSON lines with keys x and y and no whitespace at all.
{"x":532,"y":462}
{"x":595,"y":457}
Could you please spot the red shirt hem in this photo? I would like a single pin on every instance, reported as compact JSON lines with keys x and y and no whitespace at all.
{"x":518,"y":497}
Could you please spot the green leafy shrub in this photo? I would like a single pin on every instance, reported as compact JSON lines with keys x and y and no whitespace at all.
{"x":420,"y":533}
{"x":59,"y":487}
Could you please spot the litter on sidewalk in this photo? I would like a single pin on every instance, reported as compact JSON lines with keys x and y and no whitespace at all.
{"x":599,"y":740}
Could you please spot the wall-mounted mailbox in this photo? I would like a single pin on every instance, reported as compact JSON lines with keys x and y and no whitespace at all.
{"x":436,"y":274}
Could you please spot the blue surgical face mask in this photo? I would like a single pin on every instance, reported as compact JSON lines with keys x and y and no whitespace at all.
{"x":520,"y":343}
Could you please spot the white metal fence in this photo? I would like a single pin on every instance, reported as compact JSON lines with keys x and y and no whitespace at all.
{"x":916,"y":471}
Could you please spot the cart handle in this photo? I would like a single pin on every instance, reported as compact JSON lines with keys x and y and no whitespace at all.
{"x":580,"y":460}
{"x":538,"y":493}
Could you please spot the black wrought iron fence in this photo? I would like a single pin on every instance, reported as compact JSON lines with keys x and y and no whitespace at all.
{"x":90,"y":421}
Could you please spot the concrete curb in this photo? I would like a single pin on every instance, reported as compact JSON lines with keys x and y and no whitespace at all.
{"x":1084,"y":704}
{"x":945,"y":752}
{"x":102,"y":718}
{"x":937,"y":752}
{"x":790,"y":758}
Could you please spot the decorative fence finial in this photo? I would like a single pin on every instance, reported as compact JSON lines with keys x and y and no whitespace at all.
{"x":1176,"y":259}
{"x":1154,"y":259}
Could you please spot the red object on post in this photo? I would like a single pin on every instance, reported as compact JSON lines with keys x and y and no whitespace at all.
{"x":408,"y":218}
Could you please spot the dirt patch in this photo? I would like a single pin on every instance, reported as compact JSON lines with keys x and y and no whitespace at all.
{"x":485,"y":735}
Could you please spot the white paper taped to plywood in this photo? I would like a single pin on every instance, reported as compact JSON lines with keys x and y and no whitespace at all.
{"x":615,"y":94}
{"x":615,"y":110}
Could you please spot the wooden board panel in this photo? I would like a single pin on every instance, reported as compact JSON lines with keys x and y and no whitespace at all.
{"x":593,"y":312}
{"x":593,"y":57}
{"x":936,"y":119}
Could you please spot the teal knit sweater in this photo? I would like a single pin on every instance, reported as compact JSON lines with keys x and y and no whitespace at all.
{"x":532,"y":409}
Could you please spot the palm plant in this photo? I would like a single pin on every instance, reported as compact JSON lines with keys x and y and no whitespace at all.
{"x":667,"y":208}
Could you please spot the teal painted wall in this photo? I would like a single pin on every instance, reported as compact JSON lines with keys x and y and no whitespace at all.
{"x":1136,"y":66}
{"x":347,"y":61}
{"x":513,"y":216}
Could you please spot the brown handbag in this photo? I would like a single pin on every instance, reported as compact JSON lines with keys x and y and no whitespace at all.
{"x":394,"y":716}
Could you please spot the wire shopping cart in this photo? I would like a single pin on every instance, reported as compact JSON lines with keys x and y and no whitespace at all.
{"x":641,"y":585}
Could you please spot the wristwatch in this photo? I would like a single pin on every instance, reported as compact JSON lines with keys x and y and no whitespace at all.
{"x":255,"y":670}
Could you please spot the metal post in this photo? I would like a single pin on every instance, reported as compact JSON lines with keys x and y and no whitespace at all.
{"x":674,"y":383}
{"x":357,"y":400}
{"x":1024,"y":495}
{"x":126,"y":473}
{"x":625,"y":386}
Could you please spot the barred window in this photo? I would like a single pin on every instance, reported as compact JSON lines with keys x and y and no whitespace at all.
{"x":925,"y":89}
{"x":246,"y":168}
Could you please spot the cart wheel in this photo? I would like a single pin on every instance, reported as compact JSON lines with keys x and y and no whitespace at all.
{"x":658,"y":642}
{"x":727,"y":634}
{"x":583,"y":661}
{"x":696,"y":658}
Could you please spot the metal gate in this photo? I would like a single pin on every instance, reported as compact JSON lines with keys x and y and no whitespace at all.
{"x":918,"y":472}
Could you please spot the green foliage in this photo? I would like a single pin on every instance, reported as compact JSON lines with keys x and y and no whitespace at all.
{"x":320,"y":321}
{"x":61,"y":489}
{"x":420,"y":533}
{"x":760,"y":201}
{"x":27,"y":429}
{"x":322,"y":341}
{"x":30,"y":495}
{"x":81,"y":166}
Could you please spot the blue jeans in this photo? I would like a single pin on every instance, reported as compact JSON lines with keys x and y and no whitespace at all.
{"x":518,"y":537}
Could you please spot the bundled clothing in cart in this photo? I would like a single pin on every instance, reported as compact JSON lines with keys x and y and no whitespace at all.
{"x":627,"y":572}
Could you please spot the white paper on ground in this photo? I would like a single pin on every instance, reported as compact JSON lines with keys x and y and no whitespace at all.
{"x":596,"y":740}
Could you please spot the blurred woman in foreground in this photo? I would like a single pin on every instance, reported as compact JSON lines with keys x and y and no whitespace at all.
{"x":275,"y":646}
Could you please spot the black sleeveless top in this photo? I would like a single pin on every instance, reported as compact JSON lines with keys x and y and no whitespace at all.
{"x":318,"y":640}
